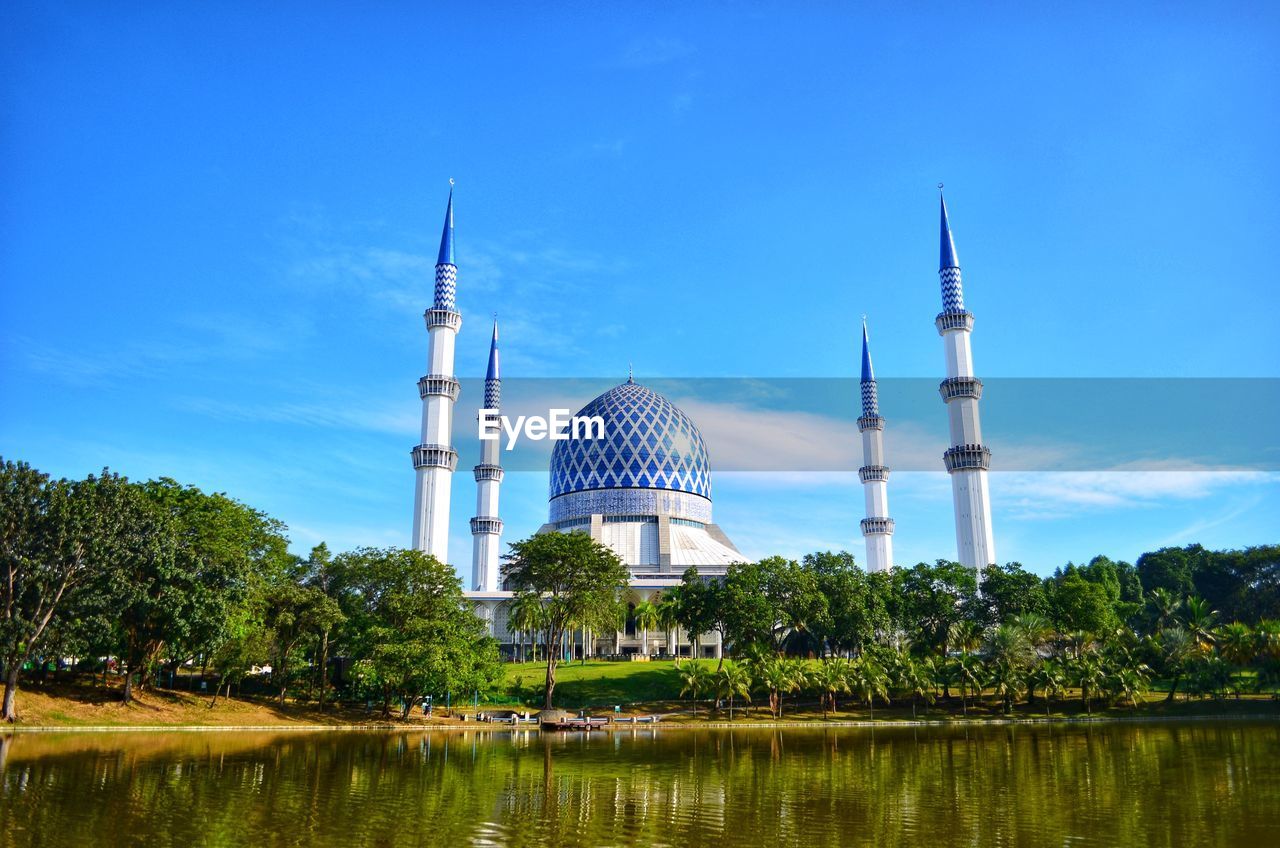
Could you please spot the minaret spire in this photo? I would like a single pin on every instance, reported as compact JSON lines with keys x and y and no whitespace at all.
{"x":486,"y":527}
{"x":877,"y":527}
{"x":967,"y":460}
{"x":434,"y":458}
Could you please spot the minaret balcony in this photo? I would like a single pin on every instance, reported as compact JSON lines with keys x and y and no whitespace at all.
{"x":960,"y":387}
{"x":948,"y":321}
{"x":435,"y":456}
{"x":482,"y":526}
{"x":870,"y":422}
{"x":443,"y":318}
{"x":439,"y":384}
{"x":962,"y":457}
{"x":488,"y":472}
{"x":874,"y":526}
{"x":873,"y":474}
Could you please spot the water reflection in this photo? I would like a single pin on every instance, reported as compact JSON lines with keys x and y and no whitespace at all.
{"x":1171,"y":784}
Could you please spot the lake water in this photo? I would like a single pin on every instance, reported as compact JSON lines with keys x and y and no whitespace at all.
{"x":1183,"y":784}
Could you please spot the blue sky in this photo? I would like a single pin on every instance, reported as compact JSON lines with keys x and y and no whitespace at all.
{"x":220,"y":224}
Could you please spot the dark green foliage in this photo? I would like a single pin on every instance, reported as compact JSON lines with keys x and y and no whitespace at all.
{"x":934,"y":598}
{"x":1009,"y":590}
{"x":407,"y":624}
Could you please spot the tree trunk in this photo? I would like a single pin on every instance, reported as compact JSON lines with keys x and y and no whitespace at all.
{"x":552,"y":647}
{"x":10,"y":713}
{"x":324,"y":668}
{"x":128,"y":685}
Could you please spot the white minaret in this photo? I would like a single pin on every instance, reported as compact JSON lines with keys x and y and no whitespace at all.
{"x":967,"y":460}
{"x":434,"y":458}
{"x":877,"y":527}
{"x":486,"y":527}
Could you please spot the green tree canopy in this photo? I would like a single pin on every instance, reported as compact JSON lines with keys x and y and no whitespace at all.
{"x":409,"y":623}
{"x":579,"y":580}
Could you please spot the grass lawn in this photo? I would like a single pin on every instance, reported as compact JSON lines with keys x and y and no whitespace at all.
{"x":597,"y":683}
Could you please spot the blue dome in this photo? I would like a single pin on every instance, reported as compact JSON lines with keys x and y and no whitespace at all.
{"x":648,"y":444}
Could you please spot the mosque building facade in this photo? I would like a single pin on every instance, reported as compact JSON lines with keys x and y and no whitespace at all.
{"x":643,"y":489}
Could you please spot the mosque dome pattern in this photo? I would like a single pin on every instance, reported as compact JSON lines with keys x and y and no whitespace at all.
{"x":648,"y":444}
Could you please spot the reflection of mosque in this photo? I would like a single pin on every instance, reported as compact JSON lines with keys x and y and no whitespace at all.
{"x":644,"y":489}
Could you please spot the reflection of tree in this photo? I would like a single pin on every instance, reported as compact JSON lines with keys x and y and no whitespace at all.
{"x":1118,"y":784}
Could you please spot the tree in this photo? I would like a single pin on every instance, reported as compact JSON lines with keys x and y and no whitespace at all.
{"x":228,"y":551}
{"x":695,"y":679}
{"x":767,"y":601}
{"x":647,"y":618}
{"x":777,"y":677}
{"x":832,"y":678}
{"x":934,"y":597}
{"x":527,"y":615}
{"x":1237,"y":644}
{"x":411,"y":625}
{"x":852,"y":617}
{"x":293,"y":613}
{"x":1170,"y":569}
{"x":1088,"y":673}
{"x":1175,"y":649}
{"x":1200,"y":620}
{"x":1047,"y":676}
{"x":1010,"y":654}
{"x":1078,"y":604}
{"x":868,"y":681}
{"x":53,"y":535}
{"x":579,"y":580}
{"x":915,"y":676}
{"x":969,"y":675}
{"x":1163,"y":608}
{"x":1009,"y":590}
{"x":734,"y":681}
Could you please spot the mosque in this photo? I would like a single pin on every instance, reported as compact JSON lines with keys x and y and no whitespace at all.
{"x":644,"y":489}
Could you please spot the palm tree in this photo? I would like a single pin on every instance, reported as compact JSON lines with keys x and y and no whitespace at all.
{"x":777,"y":677}
{"x":1048,"y":677}
{"x":1200,"y":621}
{"x":1164,"y":606}
{"x":1009,"y":655}
{"x":1176,"y":649}
{"x":1267,"y":636}
{"x":1090,"y":677}
{"x":1035,"y":627}
{"x":1236,"y":643}
{"x":527,"y":614}
{"x":668,"y":617}
{"x":831,"y":678}
{"x":695,"y":679}
{"x":734,"y":680}
{"x":914,"y":677}
{"x":969,"y":673}
{"x":1005,"y":681}
{"x":965,"y":635}
{"x":868,"y":681}
{"x":647,"y":617}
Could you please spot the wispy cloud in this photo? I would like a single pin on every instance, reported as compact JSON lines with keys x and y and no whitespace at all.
{"x":1055,"y":495}
{"x":218,"y":336}
{"x":398,"y":417}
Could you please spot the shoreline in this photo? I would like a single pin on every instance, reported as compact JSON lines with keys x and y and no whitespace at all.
{"x":626,"y":727}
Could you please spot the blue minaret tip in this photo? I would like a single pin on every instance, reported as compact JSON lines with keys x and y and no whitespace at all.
{"x":947,"y":252}
{"x":446,"y":238}
{"x":868,"y":375}
{"x":493,"y":373}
